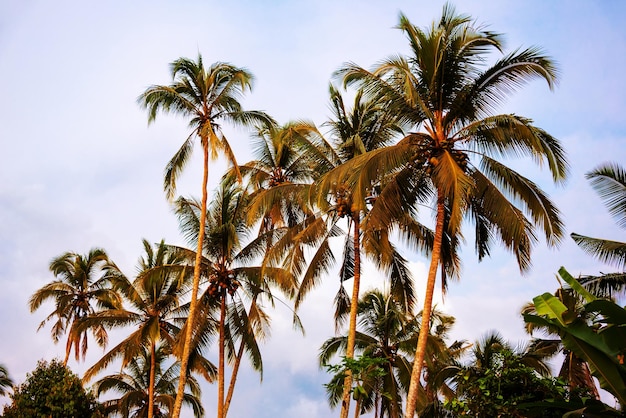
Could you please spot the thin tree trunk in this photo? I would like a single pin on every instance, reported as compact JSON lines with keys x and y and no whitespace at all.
{"x":220,"y":371}
{"x":68,"y":349}
{"x":152,"y":378}
{"x":184,"y":360}
{"x":411,"y":399}
{"x":357,"y":409}
{"x":354,"y":302}
{"x":233,"y":377}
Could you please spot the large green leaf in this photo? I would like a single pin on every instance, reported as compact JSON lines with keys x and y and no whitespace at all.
{"x":550,"y":306}
{"x":584,"y":342}
{"x":570,"y":280}
{"x":610,"y":374}
{"x":611,"y":312}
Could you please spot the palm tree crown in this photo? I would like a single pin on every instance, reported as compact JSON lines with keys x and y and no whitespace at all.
{"x":133,"y":387}
{"x":80,"y":291}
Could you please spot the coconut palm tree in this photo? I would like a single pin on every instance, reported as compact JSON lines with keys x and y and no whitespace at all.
{"x":364,"y":127}
{"x":207,"y":97}
{"x":81,"y":290}
{"x":388,"y":333}
{"x":449,"y":96}
{"x":229,"y":274}
{"x":133,"y":384}
{"x":609,"y":181}
{"x":281,"y":163}
{"x":5,"y":381}
{"x":155,"y":314}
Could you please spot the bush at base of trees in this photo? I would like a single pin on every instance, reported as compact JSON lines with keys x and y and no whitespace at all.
{"x":52,"y":390}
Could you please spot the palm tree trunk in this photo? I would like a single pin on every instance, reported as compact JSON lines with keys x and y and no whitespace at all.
{"x":233,"y":377}
{"x":411,"y":399}
{"x":357,"y":409}
{"x":152,"y":378}
{"x":184,"y":360}
{"x":68,"y":349}
{"x":354,"y":302}
{"x":220,"y":371}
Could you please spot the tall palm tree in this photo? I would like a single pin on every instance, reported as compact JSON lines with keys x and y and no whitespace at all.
{"x":5,"y":380}
{"x":228,"y":272}
{"x":609,"y":181}
{"x":81,"y":290}
{"x":444,"y":88}
{"x":366,"y":126}
{"x":207,"y":97}
{"x":154,"y":315}
{"x":133,"y":384}
{"x":281,"y":163}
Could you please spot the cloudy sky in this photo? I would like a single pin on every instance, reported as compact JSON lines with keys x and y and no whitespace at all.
{"x":82,"y":169}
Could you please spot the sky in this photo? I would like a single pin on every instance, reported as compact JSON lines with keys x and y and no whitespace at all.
{"x":83,"y":169}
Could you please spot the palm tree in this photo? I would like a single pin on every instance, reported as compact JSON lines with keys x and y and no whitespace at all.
{"x":5,"y":381}
{"x":133,"y":384}
{"x":609,"y":180}
{"x":228,"y":271}
{"x":385,"y":328}
{"x":207,"y":97}
{"x":81,"y":290}
{"x":281,"y":163}
{"x":367,"y":126}
{"x":388,"y":333}
{"x":155,"y":300}
{"x":444,"y":89}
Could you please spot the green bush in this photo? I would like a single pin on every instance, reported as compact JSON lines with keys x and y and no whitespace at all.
{"x":52,"y":390}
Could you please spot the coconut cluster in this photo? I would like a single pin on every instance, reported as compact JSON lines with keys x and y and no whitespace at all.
{"x":221,"y":284}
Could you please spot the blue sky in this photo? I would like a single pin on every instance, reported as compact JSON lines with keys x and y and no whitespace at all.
{"x":81,"y":168}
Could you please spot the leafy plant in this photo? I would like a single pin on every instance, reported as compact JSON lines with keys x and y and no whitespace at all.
{"x":601,"y":342}
{"x":52,"y":390}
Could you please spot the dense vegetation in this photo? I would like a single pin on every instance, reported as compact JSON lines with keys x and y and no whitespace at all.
{"x":422,"y":132}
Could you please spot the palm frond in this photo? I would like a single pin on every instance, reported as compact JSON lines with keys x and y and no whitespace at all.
{"x":611,"y":252}
{"x":609,"y":180}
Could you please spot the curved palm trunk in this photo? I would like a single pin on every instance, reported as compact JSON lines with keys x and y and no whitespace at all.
{"x":220,"y":372}
{"x":357,"y":409}
{"x":233,"y":377}
{"x":68,"y":350}
{"x":411,"y":399}
{"x":354,"y":302}
{"x":184,"y":360}
{"x":152,"y":378}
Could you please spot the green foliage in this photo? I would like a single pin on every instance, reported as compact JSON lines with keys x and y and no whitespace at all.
{"x":365,"y":369}
{"x":508,"y":388}
{"x":602,"y":343}
{"x":52,"y":390}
